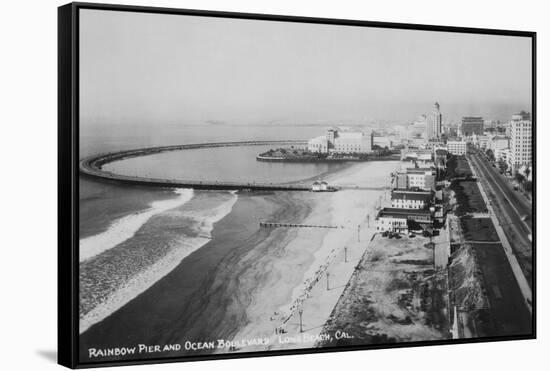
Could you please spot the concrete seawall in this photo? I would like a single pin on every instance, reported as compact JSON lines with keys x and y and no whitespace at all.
{"x":92,"y":167}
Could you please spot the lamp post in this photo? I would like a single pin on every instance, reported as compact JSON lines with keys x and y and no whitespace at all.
{"x":301,"y":312}
{"x":328,"y":275}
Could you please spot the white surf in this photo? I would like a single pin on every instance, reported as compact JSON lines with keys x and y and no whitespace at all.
{"x":126,"y":227}
{"x":142,"y":281}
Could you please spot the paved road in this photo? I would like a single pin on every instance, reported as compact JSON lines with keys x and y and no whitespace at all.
{"x":502,"y":186}
{"x":511,"y":207}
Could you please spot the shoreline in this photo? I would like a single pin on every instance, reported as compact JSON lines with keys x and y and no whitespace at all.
{"x":326,"y":160}
{"x":310,"y":292}
{"x":229,"y":287}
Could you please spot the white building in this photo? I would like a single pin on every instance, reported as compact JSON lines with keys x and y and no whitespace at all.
{"x":421,"y":178}
{"x":396,"y":220}
{"x":318,"y":144}
{"x":481,"y":141}
{"x":353,"y":142}
{"x":336,"y":141}
{"x":521,"y":150}
{"x":498,"y":143}
{"x":319,"y":186}
{"x":433,"y":126}
{"x":456,"y":147}
{"x":405,"y":199}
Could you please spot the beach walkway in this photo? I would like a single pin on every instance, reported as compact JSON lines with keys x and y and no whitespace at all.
{"x":317,"y":303}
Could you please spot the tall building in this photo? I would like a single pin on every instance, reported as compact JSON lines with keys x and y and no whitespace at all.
{"x":471,"y":125}
{"x":521,"y":150}
{"x":433,"y":127}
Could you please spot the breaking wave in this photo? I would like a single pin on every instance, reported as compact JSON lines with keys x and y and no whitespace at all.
{"x":126,"y":227}
{"x":180,"y":248}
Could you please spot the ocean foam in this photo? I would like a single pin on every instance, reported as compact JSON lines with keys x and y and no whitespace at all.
{"x":126,"y":227}
{"x":145,"y":279}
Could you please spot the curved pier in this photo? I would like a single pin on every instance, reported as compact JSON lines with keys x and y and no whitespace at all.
{"x":92,"y":166}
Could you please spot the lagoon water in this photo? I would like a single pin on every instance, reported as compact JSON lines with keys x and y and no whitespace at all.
{"x":231,"y":164}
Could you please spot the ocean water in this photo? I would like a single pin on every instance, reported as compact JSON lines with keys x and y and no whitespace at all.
{"x":161,"y":266}
{"x":138,"y":250}
{"x":131,"y":237}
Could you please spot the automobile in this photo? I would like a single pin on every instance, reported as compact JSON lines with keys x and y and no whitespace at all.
{"x":390,"y":235}
{"x":397,"y":236}
{"x":412,"y":235}
{"x":524,"y":217}
{"x":385,"y":234}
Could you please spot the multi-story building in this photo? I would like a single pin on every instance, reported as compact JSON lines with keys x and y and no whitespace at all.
{"x":401,"y":180}
{"x":433,"y":126}
{"x":497,"y":143}
{"x":318,"y":144}
{"x":456,"y":147}
{"x":415,"y":179}
{"x":397,"y":220}
{"x":406,"y":199}
{"x":353,"y":142}
{"x":336,"y":141}
{"x":434,"y":143}
{"x":471,"y":125}
{"x":521,"y":150}
{"x":421,"y":178}
{"x":481,"y":141}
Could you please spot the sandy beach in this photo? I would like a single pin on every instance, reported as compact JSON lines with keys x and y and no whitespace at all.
{"x":274,"y":314}
{"x":248,"y":280}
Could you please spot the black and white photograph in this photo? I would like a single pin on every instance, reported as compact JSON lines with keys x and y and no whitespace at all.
{"x":274,"y":185}
{"x":252,"y":185}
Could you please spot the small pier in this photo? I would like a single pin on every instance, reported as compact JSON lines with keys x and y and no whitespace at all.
{"x":294,"y":225}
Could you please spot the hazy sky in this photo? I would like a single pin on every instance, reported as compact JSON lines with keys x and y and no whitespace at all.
{"x":138,"y":68}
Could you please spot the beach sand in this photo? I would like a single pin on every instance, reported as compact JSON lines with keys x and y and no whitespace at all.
{"x":247,"y":281}
{"x":302,"y":269}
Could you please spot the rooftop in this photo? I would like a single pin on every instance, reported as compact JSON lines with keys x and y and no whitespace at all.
{"x":419,"y":170}
{"x":410,"y":196}
{"x":394,"y":212}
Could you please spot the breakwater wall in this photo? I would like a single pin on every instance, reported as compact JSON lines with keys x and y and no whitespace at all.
{"x":92,"y":167}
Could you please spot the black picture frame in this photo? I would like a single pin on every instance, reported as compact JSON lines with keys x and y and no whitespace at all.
{"x":68,"y":172}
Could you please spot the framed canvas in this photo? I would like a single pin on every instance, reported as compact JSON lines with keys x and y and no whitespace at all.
{"x":239,"y":185}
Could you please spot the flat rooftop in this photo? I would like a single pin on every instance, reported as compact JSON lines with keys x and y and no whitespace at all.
{"x":398,"y":212}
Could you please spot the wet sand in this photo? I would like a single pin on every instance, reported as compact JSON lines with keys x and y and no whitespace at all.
{"x":203,"y":298}
{"x":232,"y":287}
